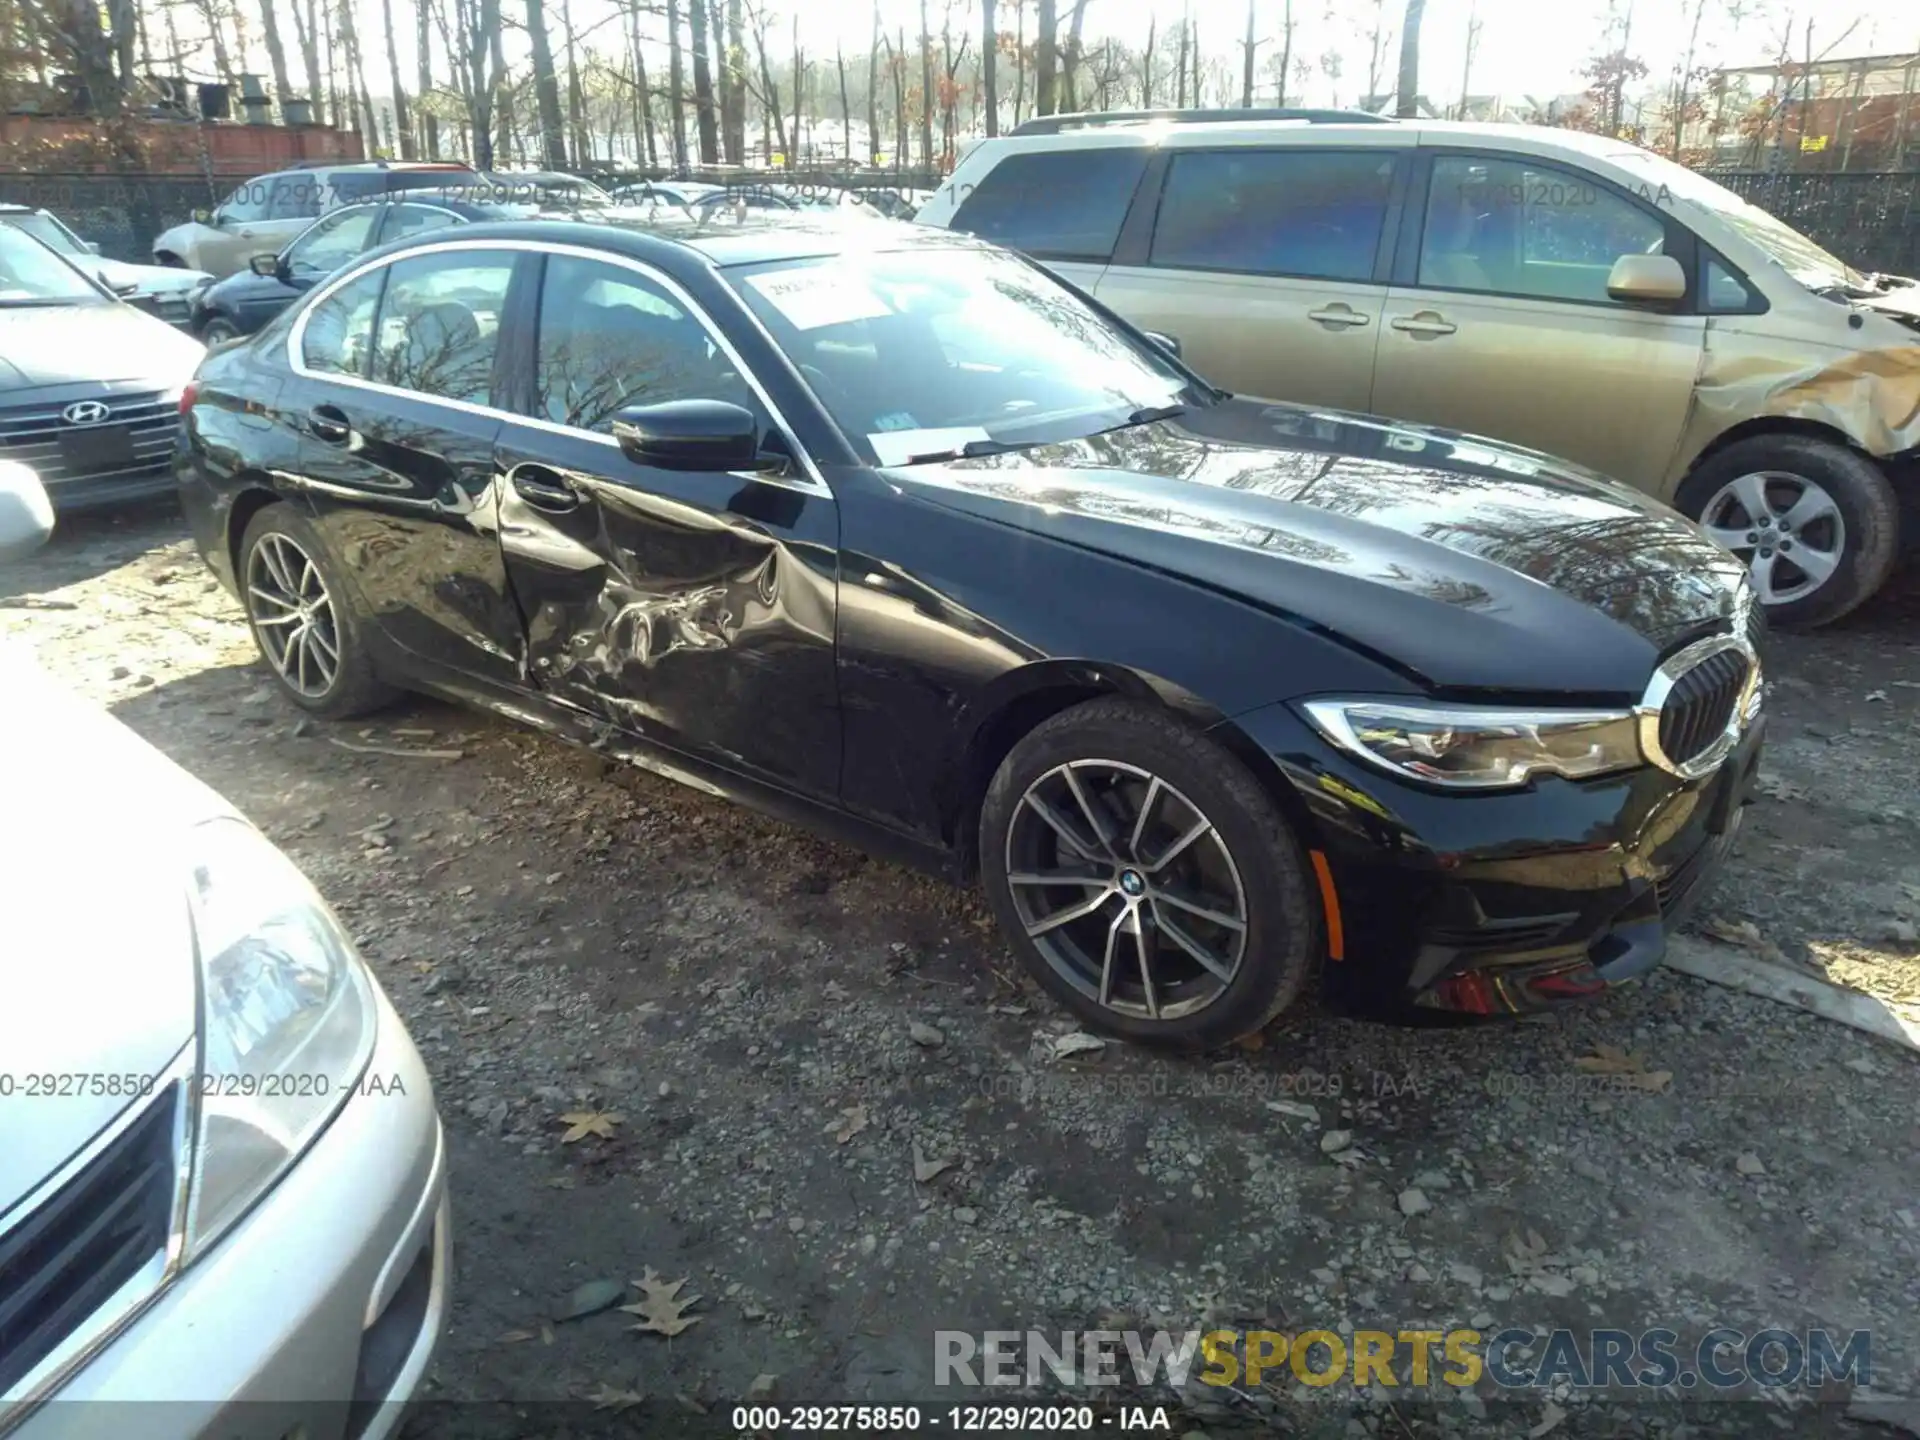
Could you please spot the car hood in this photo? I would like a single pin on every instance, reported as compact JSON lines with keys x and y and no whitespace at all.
{"x":1467,"y":564}
{"x":151,"y":279}
{"x":98,"y":957}
{"x":61,"y":344}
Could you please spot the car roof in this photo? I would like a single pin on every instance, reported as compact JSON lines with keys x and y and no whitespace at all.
{"x":763,"y":236}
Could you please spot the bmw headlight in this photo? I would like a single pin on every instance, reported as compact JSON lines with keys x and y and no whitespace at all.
{"x":286,"y":1021}
{"x":1472,"y":747}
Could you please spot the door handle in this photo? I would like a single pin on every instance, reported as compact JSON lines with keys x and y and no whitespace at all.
{"x":1424,"y":322}
{"x":1341,"y":315}
{"x":329,"y":423}
{"x":543,"y":490}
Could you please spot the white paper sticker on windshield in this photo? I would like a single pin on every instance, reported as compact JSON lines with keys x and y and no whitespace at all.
{"x":897,"y":447}
{"x":812,"y":296}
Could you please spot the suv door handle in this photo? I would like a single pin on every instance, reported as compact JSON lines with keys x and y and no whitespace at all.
{"x":1424,"y":322}
{"x":330,"y":423}
{"x":1339,"y":314}
{"x":543,"y":489}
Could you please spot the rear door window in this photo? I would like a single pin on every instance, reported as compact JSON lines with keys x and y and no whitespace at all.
{"x":440,"y":323}
{"x":1317,"y":213}
{"x":1056,"y":204}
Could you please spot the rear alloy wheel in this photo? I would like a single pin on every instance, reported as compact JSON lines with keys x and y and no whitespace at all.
{"x":302,"y":621}
{"x":1815,"y":523}
{"x":218,"y":332}
{"x":1145,"y":878}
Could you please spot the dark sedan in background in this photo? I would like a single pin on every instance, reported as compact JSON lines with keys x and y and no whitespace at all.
{"x":891,"y":531}
{"x":242,"y":303}
{"x":89,"y":385}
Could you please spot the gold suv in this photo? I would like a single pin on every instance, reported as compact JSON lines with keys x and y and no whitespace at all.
{"x":1553,"y":289}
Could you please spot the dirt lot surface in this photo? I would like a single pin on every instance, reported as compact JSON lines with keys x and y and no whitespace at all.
{"x":787,"y":1029}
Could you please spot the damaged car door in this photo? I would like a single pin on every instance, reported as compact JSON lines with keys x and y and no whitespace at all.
{"x":693,"y":607}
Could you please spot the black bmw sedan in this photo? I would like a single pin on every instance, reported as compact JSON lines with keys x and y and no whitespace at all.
{"x":889,"y":531}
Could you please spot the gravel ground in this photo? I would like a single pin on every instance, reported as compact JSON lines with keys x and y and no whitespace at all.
{"x":843,"y":1117}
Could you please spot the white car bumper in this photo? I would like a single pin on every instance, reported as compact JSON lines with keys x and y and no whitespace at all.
{"x":317,"y":1315}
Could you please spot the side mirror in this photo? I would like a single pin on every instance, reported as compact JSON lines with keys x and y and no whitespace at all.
{"x":1647,"y":280}
{"x":1168,"y":343}
{"x":126,"y":291}
{"x":689,"y":435}
{"x":93,"y":246}
{"x":26,"y":514}
{"x":266,"y":266}
{"x":205,"y":217}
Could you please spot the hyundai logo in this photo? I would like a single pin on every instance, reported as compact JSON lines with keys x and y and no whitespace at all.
{"x":85,"y":412}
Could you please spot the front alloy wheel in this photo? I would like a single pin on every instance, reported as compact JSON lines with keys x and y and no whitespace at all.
{"x":1126,"y":888}
{"x":1145,"y":878}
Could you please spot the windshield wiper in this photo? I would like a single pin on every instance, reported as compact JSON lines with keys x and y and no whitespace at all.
{"x":1146,"y":415}
{"x":972,"y":450}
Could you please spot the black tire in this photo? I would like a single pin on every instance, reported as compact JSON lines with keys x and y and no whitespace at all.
{"x":218,"y":331}
{"x":355,"y":688}
{"x":1282,"y":936}
{"x":1868,"y":511}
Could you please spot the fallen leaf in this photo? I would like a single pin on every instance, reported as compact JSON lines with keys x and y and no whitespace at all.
{"x":660,"y":1307}
{"x":1631,"y":1068}
{"x":849,"y":1123}
{"x":1296,"y":1109}
{"x":516,"y":1337}
{"x":560,"y":1182}
{"x":692,"y":1404}
{"x":1550,"y":1416}
{"x":546,"y":1333}
{"x":1525,"y":1253}
{"x":1076,"y":1042}
{"x":582,"y":1123}
{"x":924,"y":1169}
{"x":589,"y":1299}
{"x":1255,"y":1041}
{"x":608,"y":1398}
{"x":1876,"y":695}
{"x":1734,"y":932}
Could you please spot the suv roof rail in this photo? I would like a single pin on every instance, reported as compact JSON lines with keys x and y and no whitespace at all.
{"x":1086,"y":119}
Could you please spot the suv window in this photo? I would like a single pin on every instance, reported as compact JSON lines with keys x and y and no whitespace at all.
{"x":248,"y":203}
{"x":404,"y":220}
{"x":1062,"y":204}
{"x":1511,"y":227}
{"x":610,"y":338}
{"x":339,"y":330}
{"x":1317,"y":213}
{"x":330,"y":243}
{"x":440,"y":323}
{"x":294,"y":196}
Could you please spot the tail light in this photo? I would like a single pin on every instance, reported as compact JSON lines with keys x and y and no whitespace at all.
{"x":187,"y":393}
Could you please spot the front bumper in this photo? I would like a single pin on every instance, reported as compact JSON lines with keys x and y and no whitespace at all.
{"x":318,"y":1314}
{"x":1508,"y":902}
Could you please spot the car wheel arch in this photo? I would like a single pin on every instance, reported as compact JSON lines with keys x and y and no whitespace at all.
{"x":254,"y":494}
{"x":1018,"y":701}
{"x":1767,"y":425}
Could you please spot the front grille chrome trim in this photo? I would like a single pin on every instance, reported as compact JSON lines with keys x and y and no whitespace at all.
{"x":1739,"y":716}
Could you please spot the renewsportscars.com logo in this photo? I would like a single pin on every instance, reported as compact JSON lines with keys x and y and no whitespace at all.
{"x":1512,"y":1358}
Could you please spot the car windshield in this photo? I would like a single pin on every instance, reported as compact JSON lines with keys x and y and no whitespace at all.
{"x":48,"y":231}
{"x":1800,"y":257}
{"x":929,"y":354}
{"x":31,"y":274}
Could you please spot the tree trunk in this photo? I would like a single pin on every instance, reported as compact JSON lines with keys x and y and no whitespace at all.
{"x":846,"y":111}
{"x":1409,"y":88}
{"x":1146,"y":64}
{"x":1678,"y":105}
{"x":1246,"y":82}
{"x":703,"y":84}
{"x":1180,"y":65}
{"x":736,"y":112}
{"x":579,"y":141}
{"x":1070,"y":62}
{"x":644,"y":145}
{"x":429,"y":125}
{"x":873,"y":91}
{"x":546,"y":89}
{"x":222,"y":58}
{"x":926,"y":90}
{"x":1286,"y":52}
{"x":799,"y":84}
{"x":1019,"y":59}
{"x":676,"y":88}
{"x":1046,"y":57}
{"x":277,"y":50}
{"x":769,"y":92}
{"x":897,"y":62}
{"x":402,"y":122}
{"x":989,"y":67}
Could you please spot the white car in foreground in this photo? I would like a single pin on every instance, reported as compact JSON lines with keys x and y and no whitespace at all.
{"x":222,"y":1175}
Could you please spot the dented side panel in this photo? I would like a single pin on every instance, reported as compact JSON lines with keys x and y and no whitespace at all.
{"x":693,"y":610}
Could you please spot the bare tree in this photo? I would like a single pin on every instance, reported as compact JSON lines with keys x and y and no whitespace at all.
{"x":769,"y":96}
{"x":799,"y":88}
{"x":703,"y":84}
{"x":1146,"y":63}
{"x":402,"y":125}
{"x":926,"y":90}
{"x":873,"y":90}
{"x":1286,"y":51}
{"x":1070,"y":57}
{"x":1472,"y":46}
{"x":1045,"y":57}
{"x":429,"y":123}
{"x":1180,"y":63}
{"x":643,"y":141}
{"x":1247,"y":48}
{"x":1409,"y":89}
{"x":989,"y":57}
{"x":846,"y":110}
{"x":676,"y":87}
{"x":1379,"y":44}
{"x":277,"y":51}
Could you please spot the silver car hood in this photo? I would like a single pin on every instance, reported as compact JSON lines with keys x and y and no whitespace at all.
{"x":149,"y":279}
{"x":96,"y":950}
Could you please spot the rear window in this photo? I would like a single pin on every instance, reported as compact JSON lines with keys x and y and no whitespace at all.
{"x":1316,"y":213}
{"x":1060,"y":204}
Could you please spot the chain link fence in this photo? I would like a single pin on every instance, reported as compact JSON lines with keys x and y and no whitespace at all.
{"x":121,"y":213}
{"x":1870,"y":220}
